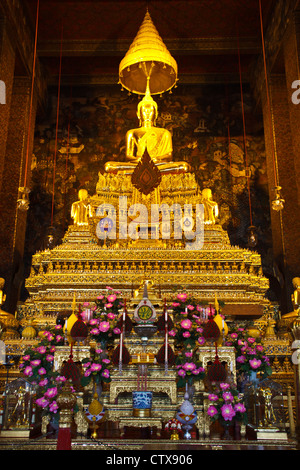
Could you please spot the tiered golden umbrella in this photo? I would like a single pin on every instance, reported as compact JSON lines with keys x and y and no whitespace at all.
{"x":148,"y":58}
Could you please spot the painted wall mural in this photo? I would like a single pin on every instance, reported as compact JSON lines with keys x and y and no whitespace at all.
{"x":207,"y":128}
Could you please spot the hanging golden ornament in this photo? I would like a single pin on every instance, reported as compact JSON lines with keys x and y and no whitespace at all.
{"x":278,"y":202}
{"x":148,"y":57}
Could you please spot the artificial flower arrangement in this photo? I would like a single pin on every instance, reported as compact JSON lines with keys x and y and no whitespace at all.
{"x":226,"y":405}
{"x":96,"y":368}
{"x":189,"y":368}
{"x":102,"y":327}
{"x":250,"y":353}
{"x":189,"y":318}
{"x":37,"y":366}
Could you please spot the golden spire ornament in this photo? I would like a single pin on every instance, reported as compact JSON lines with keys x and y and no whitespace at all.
{"x":148,"y":57}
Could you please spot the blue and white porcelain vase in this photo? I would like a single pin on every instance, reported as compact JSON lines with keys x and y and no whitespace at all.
{"x":142,"y":403}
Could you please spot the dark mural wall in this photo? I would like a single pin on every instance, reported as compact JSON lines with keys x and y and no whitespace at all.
{"x":207,"y":127}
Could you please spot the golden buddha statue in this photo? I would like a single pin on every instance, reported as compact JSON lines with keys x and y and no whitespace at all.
{"x":81,"y":210}
{"x":157,"y":141}
{"x":211,"y":210}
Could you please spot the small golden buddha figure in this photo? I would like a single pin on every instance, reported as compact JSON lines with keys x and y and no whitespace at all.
{"x":195,"y":267}
{"x":211,"y":210}
{"x":95,"y":267}
{"x":172,"y":266}
{"x":102,"y":266}
{"x":157,"y":141}
{"x":87,"y":267}
{"x":72,"y":266}
{"x":188,"y":266}
{"x":81,"y":210}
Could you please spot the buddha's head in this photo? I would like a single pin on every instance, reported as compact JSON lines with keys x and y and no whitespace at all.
{"x":206,"y":193}
{"x":147,"y":109}
{"x":83,"y":194}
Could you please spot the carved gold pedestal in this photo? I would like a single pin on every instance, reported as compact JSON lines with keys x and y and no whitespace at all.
{"x":157,"y":382}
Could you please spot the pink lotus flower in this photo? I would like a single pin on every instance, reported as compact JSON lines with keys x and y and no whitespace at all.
{"x":240,"y":359}
{"x":117,"y":331}
{"x":42,"y":402}
{"x":255,"y":363}
{"x":100,"y":297}
{"x":212,"y":411}
{"x":172,"y":333}
{"x":111,"y":316}
{"x":186,"y":334}
{"x":87,"y":373}
{"x":96,"y":367}
{"x":227,"y":412}
{"x":105,"y":373}
{"x":224,"y":386}
{"x":61,"y":379}
{"x":41,"y":349}
{"x":28,"y":371}
{"x":94,"y":322}
{"x":175,"y":304}
{"x":182,"y":297}
{"x":106,"y":361}
{"x":188,"y":354}
{"x":104,"y":326}
{"x":53,"y":407}
{"x":251,"y":340}
{"x":43,"y":382}
{"x":109,"y":305}
{"x":51,"y":392}
{"x":42,"y":371}
{"x":186,"y":324}
{"x":213,"y":397}
{"x":86,"y":304}
{"x":59,"y":338}
{"x":190,"y":307}
{"x":35,"y":362}
{"x":99,"y":351}
{"x":240,"y":408}
{"x":182,"y":373}
{"x":227,"y":396}
{"x":201,"y":340}
{"x":95,"y":331}
{"x":189,"y":366}
{"x":26,"y":358}
{"x":111,"y":298}
{"x":49,"y":357}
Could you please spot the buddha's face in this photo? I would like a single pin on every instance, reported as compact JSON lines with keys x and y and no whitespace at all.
{"x":83,"y":194}
{"x":147,"y":113}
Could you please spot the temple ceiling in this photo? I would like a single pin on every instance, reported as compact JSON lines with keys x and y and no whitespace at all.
{"x":200,"y":34}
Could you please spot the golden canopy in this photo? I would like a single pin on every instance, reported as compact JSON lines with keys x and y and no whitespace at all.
{"x":148,"y":57}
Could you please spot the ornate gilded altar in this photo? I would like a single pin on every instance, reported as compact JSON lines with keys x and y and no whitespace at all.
{"x":109,"y":245}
